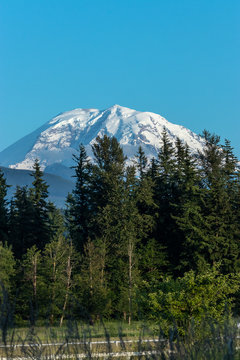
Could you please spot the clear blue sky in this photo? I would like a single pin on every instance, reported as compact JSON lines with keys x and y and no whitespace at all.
{"x":178,"y":58}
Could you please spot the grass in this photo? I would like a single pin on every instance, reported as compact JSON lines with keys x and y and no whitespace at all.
{"x":75,"y":338}
{"x":94,"y":332}
{"x":210,"y":341}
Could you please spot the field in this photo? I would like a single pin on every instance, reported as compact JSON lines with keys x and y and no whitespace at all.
{"x":114,"y":339}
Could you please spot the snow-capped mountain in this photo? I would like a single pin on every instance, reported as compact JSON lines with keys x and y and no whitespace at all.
{"x":55,"y":142}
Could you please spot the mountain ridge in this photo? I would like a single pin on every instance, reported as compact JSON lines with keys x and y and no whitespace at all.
{"x":55,"y":141}
{"x":58,"y":187}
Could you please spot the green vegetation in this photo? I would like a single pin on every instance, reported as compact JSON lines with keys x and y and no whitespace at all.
{"x":156,"y":241}
{"x":201,"y":296}
{"x":211,"y":341}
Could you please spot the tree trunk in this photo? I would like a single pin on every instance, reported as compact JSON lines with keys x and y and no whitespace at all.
{"x":35,"y":280}
{"x":68,"y":284}
{"x":130,"y":254}
{"x":53,"y":288}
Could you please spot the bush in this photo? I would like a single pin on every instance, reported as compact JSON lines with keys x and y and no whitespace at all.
{"x":193,"y":296}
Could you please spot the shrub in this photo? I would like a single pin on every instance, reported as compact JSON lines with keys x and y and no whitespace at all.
{"x":193,"y":296}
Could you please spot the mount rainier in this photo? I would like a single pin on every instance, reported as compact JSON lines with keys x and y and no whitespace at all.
{"x":55,"y":142}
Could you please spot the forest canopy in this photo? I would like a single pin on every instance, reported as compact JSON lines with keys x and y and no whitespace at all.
{"x":153,"y":240}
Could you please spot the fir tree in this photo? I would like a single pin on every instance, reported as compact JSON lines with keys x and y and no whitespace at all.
{"x":206,"y":215}
{"x":151,"y":253}
{"x":187,"y":212}
{"x":29,"y":215}
{"x":22,"y":225}
{"x":3,"y":208}
{"x":166,"y":160}
{"x":39,"y":196}
{"x":141,"y":162}
{"x":222,"y":244}
{"x":106,"y":182}
{"x":78,"y":206}
{"x":108,"y":154}
{"x":164,"y":193}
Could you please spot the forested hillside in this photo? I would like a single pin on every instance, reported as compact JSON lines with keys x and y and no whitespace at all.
{"x":158,"y":240}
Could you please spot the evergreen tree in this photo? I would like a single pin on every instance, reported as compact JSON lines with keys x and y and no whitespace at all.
{"x":108,"y":172}
{"x":29,"y":215}
{"x":164,"y":193}
{"x":22,"y":225}
{"x":141,"y":162}
{"x":78,"y":212}
{"x":222,"y":244}
{"x":206,"y":215}
{"x":230,"y":165}
{"x":3,"y":208}
{"x":153,"y":170}
{"x":106,"y":184}
{"x":153,"y":262}
{"x":134,"y":227}
{"x":108,"y":154}
{"x":166,"y":161}
{"x":187,"y":212}
{"x":151,"y":253}
{"x":107,"y":188}
{"x":38,"y":196}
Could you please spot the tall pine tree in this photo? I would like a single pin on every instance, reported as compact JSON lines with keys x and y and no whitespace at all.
{"x":78,"y":211}
{"x":39,"y":196}
{"x":22,"y":225}
{"x":3,"y":208}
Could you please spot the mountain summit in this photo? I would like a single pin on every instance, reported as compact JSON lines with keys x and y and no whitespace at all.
{"x":55,"y":142}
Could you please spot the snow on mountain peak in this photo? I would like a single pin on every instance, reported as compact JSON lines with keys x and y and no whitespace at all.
{"x":55,"y":142}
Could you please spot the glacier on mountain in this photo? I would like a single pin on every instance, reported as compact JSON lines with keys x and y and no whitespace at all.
{"x":55,"y":142}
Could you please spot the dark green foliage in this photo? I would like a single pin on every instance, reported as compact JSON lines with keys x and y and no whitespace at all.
{"x":141,"y":162}
{"x":29,"y":215}
{"x":38,"y":197}
{"x":22,"y":225}
{"x":162,"y":174}
{"x":108,"y":188}
{"x":148,"y":240}
{"x":78,"y":206}
{"x":108,"y":173}
{"x":3,"y":209}
{"x":108,"y":154}
{"x":218,"y":171}
{"x":186,"y":212}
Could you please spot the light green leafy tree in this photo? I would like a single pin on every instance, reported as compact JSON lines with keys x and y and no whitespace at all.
{"x":7,"y":269}
{"x":92,"y":282}
{"x":31,"y":287}
{"x":57,"y":269}
{"x":193,"y":296}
